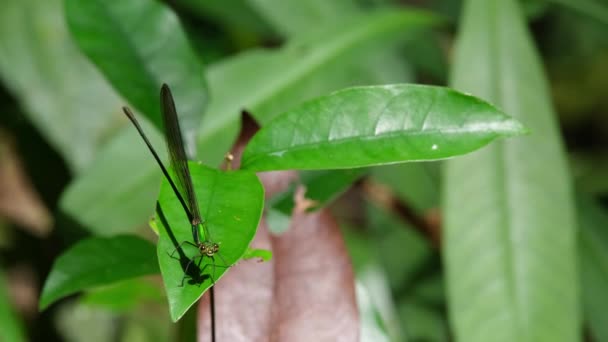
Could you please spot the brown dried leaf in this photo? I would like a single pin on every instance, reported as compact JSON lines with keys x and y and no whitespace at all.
{"x":19,"y":202}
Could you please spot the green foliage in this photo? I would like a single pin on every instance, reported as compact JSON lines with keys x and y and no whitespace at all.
{"x":367,"y":126}
{"x":510,"y":251}
{"x":231,"y":205}
{"x":96,"y":262}
{"x":593,"y":261}
{"x":480,"y":247}
{"x":60,"y":91}
{"x":12,"y":327}
{"x":137,"y":56}
{"x":324,"y":60}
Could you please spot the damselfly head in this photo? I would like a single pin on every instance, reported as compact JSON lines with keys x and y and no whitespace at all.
{"x":208,"y":248}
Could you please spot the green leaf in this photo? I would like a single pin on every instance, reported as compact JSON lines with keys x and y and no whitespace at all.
{"x":12,"y":327}
{"x":138,"y":45}
{"x":262,"y":254}
{"x":123,"y":296}
{"x":314,"y":64}
{"x":591,"y":8}
{"x":509,"y":242}
{"x":416,"y":184}
{"x":376,"y":125}
{"x":128,"y":178}
{"x":95,"y":262}
{"x":593,"y":246}
{"x":62,"y":94}
{"x":231,"y":205}
{"x":292,"y":17}
{"x":322,"y":187}
{"x":372,"y":326}
{"x":236,"y":15}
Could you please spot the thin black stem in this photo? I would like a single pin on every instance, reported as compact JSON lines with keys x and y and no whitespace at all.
{"x":212,"y":308}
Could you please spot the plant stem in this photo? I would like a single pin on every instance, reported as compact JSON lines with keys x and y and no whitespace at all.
{"x":212,"y":308}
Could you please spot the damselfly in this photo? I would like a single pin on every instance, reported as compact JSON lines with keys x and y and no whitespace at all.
{"x":183,"y":188}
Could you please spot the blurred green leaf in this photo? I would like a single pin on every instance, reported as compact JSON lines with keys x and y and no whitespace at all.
{"x":78,"y":322}
{"x":591,"y":8}
{"x":95,"y":262}
{"x":376,"y":125}
{"x":401,"y":250}
{"x":119,"y":190}
{"x":416,"y":184}
{"x":261,"y":254}
{"x":233,"y":14}
{"x":509,"y":221}
{"x":12,"y":327}
{"x":422,"y":322}
{"x":139,"y":45}
{"x":322,"y":187}
{"x":123,"y":296}
{"x":292,"y":17}
{"x":268,"y":83}
{"x":372,"y":327}
{"x":593,"y":246}
{"x":231,"y":204}
{"x":63,"y":95}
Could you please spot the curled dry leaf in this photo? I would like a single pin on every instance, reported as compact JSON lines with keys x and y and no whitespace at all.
{"x":305,"y":293}
{"x":19,"y":202}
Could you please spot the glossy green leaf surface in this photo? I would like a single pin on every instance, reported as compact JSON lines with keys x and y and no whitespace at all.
{"x":12,"y":327}
{"x":63,"y":95}
{"x":376,"y":125}
{"x":268,"y":83}
{"x":95,"y":262}
{"x":231,"y":205}
{"x":593,"y":260}
{"x":509,"y":241}
{"x":138,"y":45}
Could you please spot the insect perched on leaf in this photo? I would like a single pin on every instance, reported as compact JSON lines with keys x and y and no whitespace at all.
{"x":183,"y":188}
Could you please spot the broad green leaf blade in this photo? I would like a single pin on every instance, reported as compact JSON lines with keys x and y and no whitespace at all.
{"x":268,"y":83}
{"x":12,"y":327}
{"x":62,"y":94}
{"x":593,"y":260}
{"x":95,"y":262}
{"x":138,"y":45}
{"x":117,"y":193}
{"x":376,"y":125}
{"x":509,"y":237}
{"x":231,"y":204}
